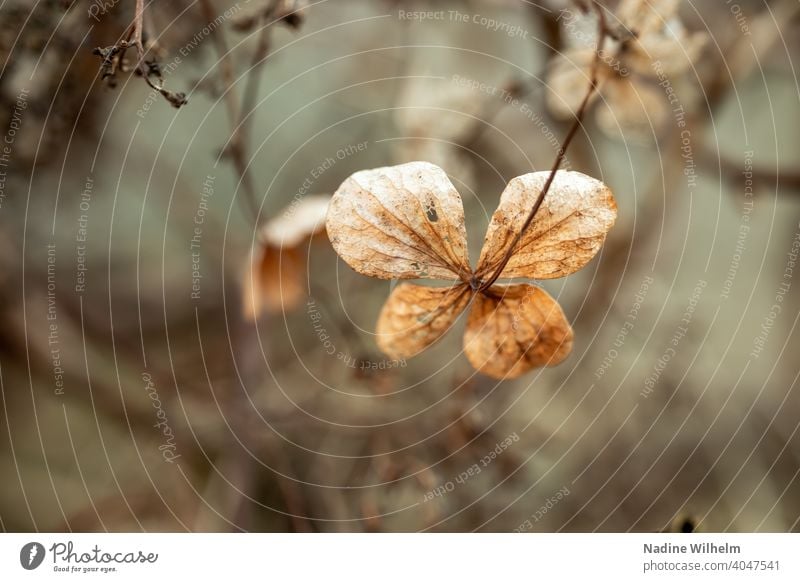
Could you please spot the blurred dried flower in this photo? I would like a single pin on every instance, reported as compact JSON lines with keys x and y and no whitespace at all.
{"x":407,"y":222}
{"x":649,"y":32}
{"x":436,"y":114}
{"x":290,"y":12}
{"x":275,"y":280}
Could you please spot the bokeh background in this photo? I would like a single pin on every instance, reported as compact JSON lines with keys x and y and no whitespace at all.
{"x":132,"y":401}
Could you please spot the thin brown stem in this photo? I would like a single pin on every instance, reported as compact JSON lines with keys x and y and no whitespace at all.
{"x":602,"y":33}
{"x":236,"y":148}
{"x":241,"y":134}
{"x":138,"y":28}
{"x":238,"y":111}
{"x":137,"y":36}
{"x":114,"y":59}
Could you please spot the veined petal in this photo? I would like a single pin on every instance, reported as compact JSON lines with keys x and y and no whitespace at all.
{"x":400,"y":222}
{"x":514,"y":329}
{"x":568,"y":230}
{"x":415,"y":316}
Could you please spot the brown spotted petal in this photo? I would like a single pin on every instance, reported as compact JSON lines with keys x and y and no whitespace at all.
{"x":568,"y":230}
{"x":400,"y":222}
{"x":514,"y":329}
{"x":415,"y":316}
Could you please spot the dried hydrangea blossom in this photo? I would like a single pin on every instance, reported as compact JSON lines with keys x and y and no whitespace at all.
{"x":407,"y":222}
{"x":647,"y":32}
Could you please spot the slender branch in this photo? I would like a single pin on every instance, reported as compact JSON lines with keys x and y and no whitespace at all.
{"x":235,"y":147}
{"x":138,"y":27}
{"x":602,"y":33}
{"x":238,"y":111}
{"x":114,"y":60}
{"x":241,"y":134}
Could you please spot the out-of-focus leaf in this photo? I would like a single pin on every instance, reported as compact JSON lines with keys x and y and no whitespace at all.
{"x":275,"y":279}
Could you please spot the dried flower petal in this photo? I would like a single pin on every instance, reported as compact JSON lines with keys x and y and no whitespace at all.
{"x":517,"y":328}
{"x":299,"y":221}
{"x":644,"y":17}
{"x":568,"y":230}
{"x":431,"y":107}
{"x":568,"y":76}
{"x":651,"y":41}
{"x":275,"y":281}
{"x":637,"y":109}
{"x":415,"y":316}
{"x":400,"y":222}
{"x":673,"y":48}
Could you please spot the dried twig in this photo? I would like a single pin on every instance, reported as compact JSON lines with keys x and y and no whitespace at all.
{"x":113,"y":60}
{"x":235,"y":148}
{"x":239,"y":111}
{"x":240,"y":133}
{"x":602,"y":33}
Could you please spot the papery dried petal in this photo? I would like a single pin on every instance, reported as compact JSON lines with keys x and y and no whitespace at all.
{"x":568,"y":80}
{"x":568,"y":230}
{"x":400,"y":222}
{"x":297,"y":222}
{"x":643,"y":17}
{"x":415,"y":316}
{"x":633,"y":110}
{"x":275,"y":282}
{"x":515,"y":329}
